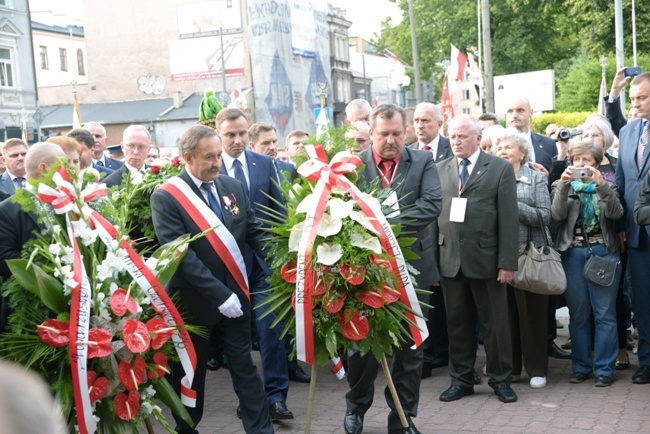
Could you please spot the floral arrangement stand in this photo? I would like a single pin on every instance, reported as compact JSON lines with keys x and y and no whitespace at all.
{"x":92,"y":316}
{"x":341,"y":277}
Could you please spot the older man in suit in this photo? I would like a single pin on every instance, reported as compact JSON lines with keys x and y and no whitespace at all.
{"x":135,"y":144}
{"x":413,"y":176}
{"x":209,"y":285}
{"x":87,"y":141}
{"x":13,"y":157}
{"x":478,"y":257}
{"x":256,"y":172}
{"x":101,"y":142}
{"x":632,"y":167}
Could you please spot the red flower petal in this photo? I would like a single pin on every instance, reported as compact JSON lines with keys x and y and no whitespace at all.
{"x":391,"y":295}
{"x":176,"y":161}
{"x":160,"y":330}
{"x":97,"y":388}
{"x":354,"y":325}
{"x":159,"y":368}
{"x":353,"y":274}
{"x":334,"y":302}
{"x":99,"y":343}
{"x":288,"y":271}
{"x":132,"y":375}
{"x":121,"y":302}
{"x":372,"y":298}
{"x":54,"y":332}
{"x":324,"y":281}
{"x":126,"y":407}
{"x":136,"y":336}
{"x":155,"y":169}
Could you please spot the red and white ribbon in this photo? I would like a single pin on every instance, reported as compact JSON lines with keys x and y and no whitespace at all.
{"x":329,"y":176}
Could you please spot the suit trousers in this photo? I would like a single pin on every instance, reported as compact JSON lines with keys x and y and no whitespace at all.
{"x":436,"y":346}
{"x":491,"y":301}
{"x":638,"y":260}
{"x":406,"y":371}
{"x":527,"y":314}
{"x":236,"y":342}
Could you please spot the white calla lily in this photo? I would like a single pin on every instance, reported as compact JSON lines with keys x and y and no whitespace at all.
{"x":308,"y":204}
{"x":364,"y":221}
{"x":329,"y":226}
{"x":329,"y":254}
{"x":294,"y":236}
{"x":370,"y":243}
{"x":339,"y":208}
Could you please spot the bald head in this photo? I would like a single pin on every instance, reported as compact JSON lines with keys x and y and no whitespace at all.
{"x":40,"y":157}
{"x":519,"y":114}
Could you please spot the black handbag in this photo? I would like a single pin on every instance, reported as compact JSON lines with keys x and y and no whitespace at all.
{"x":597,"y":270}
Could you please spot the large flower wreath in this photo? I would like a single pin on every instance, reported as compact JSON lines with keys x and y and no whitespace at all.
{"x":89,"y":314}
{"x":341,"y":278}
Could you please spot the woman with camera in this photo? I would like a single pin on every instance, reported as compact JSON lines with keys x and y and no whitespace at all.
{"x":585,"y":207}
{"x":527,"y":311}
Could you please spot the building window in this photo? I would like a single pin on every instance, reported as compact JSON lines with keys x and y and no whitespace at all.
{"x":466,"y":111}
{"x":465,"y":94}
{"x":80,"y":62}
{"x":3,"y":2}
{"x":43,"y":52}
{"x":6,"y":68}
{"x":63,"y":58}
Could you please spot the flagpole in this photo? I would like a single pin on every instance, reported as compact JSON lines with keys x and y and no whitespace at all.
{"x":76,"y":113}
{"x":480,"y":50}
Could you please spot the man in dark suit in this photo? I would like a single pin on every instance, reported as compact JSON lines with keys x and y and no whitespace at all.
{"x":632,"y":168}
{"x":204,"y":282}
{"x":413,"y":176}
{"x":257,"y":173}
{"x":428,"y":119}
{"x":478,"y":213}
{"x":101,"y":142}
{"x":87,"y":141}
{"x":136,"y":142}
{"x":13,"y":157}
{"x":17,"y":226}
{"x":542,"y":149}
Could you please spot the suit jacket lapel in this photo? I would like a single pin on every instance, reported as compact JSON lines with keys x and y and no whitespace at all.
{"x":221,"y":191}
{"x":251,"y":162}
{"x":402,"y":172}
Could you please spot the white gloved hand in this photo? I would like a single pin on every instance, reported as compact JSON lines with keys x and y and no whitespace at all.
{"x":231,"y":308}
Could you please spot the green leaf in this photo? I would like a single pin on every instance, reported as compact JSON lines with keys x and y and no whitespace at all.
{"x":37,"y":281}
{"x":166,"y":394}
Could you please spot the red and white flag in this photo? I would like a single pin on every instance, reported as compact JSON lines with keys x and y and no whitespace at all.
{"x":475,"y":75}
{"x":456,"y":68}
{"x":445,"y":102}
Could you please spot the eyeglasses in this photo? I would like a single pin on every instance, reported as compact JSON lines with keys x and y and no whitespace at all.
{"x":139,"y":148}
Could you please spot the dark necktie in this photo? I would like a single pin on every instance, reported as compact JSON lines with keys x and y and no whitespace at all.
{"x":239,"y":175}
{"x":99,"y":163}
{"x":464,"y":173}
{"x":387,"y":167}
{"x":212,"y":200}
{"x":642,"y":145}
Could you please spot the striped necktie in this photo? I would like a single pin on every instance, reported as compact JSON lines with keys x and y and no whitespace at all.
{"x":640,"y":150}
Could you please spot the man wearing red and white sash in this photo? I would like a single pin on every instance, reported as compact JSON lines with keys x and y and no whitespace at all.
{"x":211,"y":280}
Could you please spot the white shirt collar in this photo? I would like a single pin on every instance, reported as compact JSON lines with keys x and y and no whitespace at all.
{"x":472,"y":160}
{"x":230,"y":161}
{"x":433,"y":144}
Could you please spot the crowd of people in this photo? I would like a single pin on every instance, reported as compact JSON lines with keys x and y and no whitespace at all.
{"x":585,"y":192}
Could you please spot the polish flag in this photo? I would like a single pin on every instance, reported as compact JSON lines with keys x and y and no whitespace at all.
{"x":475,"y":75}
{"x":456,"y":68}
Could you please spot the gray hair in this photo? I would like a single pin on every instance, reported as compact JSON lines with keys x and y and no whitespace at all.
{"x":356,"y":105}
{"x":189,"y":140}
{"x":604,"y":127}
{"x":583,"y":147}
{"x":437,"y":113}
{"x":474,"y":126}
{"x":519,"y":139}
{"x":136,"y":129}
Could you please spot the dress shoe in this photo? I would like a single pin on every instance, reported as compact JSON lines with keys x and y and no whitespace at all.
{"x":279,"y":411}
{"x":213,"y":364}
{"x":353,"y":423}
{"x":297,"y":374}
{"x":557,"y":353}
{"x":603,"y":381}
{"x":455,"y":392}
{"x":622,"y":365}
{"x":505,"y":393}
{"x":642,"y":375}
{"x":578,"y":377}
{"x":409,"y":430}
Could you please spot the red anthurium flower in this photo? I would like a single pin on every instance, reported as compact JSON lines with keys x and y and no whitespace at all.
{"x":97,"y":387}
{"x":132,"y":375}
{"x":391,"y":295}
{"x":160,"y":330}
{"x":136,"y":336}
{"x":324,"y":281}
{"x":54,"y":332}
{"x":353,"y":274}
{"x":127,"y":407}
{"x":155,"y":169}
{"x":99,"y":343}
{"x":378,"y":261}
{"x":121,"y":301}
{"x":372,"y":298}
{"x":159,"y":368}
{"x":334,"y":302}
{"x":288,"y":271}
{"x":354,"y":324}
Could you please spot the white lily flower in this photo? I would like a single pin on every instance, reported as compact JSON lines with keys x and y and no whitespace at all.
{"x":308,"y":204}
{"x":339,"y":208}
{"x":56,"y":229}
{"x":152,"y":263}
{"x":136,"y":178}
{"x":55,"y":249}
{"x":372,"y":202}
{"x":370,"y":243}
{"x":364,"y":221}
{"x":329,"y":226}
{"x":294,"y":236}
{"x":329,"y":254}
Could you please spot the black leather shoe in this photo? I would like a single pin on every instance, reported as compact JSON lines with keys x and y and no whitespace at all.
{"x":603,"y":381}
{"x":238,"y":412}
{"x":642,"y":375}
{"x":622,"y":365}
{"x":558,"y":353}
{"x":297,"y":374}
{"x":409,"y":430}
{"x":279,"y":411}
{"x":455,"y":392}
{"x":505,"y":393}
{"x":476,"y":377}
{"x":213,"y":364}
{"x":578,"y":377}
{"x":353,"y":423}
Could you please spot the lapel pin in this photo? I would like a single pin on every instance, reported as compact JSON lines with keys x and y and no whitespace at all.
{"x":231,"y":203}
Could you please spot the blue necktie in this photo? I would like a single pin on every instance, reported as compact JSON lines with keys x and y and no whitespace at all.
{"x":212,"y":201}
{"x":464,"y":173}
{"x":239,"y":175}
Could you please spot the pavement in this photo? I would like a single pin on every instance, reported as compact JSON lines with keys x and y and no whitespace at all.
{"x":560,"y":407}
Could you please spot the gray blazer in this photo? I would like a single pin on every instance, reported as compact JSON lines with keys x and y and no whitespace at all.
{"x":6,"y":184}
{"x":532,"y":196}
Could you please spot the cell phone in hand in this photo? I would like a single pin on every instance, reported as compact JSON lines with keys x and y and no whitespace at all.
{"x":633,"y":71}
{"x":580,"y":173}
